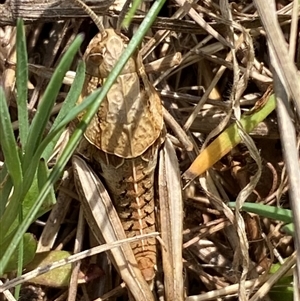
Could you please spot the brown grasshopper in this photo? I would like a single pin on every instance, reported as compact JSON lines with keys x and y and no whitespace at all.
{"x":123,"y":142}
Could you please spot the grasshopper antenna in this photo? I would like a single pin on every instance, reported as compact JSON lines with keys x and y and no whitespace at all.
{"x":92,"y":15}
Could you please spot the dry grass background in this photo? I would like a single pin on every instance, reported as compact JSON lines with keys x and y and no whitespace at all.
{"x":211,"y":86}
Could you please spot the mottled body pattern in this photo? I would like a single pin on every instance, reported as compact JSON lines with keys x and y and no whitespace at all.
{"x":124,"y":138}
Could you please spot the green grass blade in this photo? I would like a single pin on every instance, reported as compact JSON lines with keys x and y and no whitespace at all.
{"x":67,"y":119}
{"x":67,"y":106}
{"x":11,"y":212}
{"x":8,"y":213}
{"x":289,"y":229}
{"x":41,"y":118}
{"x":4,"y":193}
{"x":20,"y":257}
{"x":71,"y":146}
{"x":31,"y":196}
{"x":34,"y":137}
{"x":21,"y":82}
{"x":5,"y":188}
{"x":284,"y":215}
{"x":30,"y":164}
{"x":42,"y":177}
{"x":29,"y":201}
{"x":55,"y":131}
{"x":30,"y":245}
{"x":8,"y":144}
{"x":127,"y":20}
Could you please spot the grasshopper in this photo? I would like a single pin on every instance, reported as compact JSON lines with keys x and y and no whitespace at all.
{"x":123,"y":142}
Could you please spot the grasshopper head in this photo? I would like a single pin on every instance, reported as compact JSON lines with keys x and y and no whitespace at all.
{"x":103,"y":53}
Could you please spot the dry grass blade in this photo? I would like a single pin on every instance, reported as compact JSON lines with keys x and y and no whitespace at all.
{"x":76,"y":266}
{"x":291,"y":154}
{"x":198,"y":19}
{"x":73,"y":258}
{"x":8,"y":76}
{"x":283,"y":63}
{"x":212,"y":85}
{"x":7,"y":294}
{"x":180,"y":133}
{"x":106,"y":226}
{"x":213,"y":295}
{"x":164,"y":63}
{"x":286,"y":82}
{"x":56,"y":216}
{"x":241,"y":198}
{"x":171,"y":219}
{"x":44,"y":11}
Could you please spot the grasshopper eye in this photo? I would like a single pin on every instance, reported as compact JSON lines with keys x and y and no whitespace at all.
{"x":93,"y":62}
